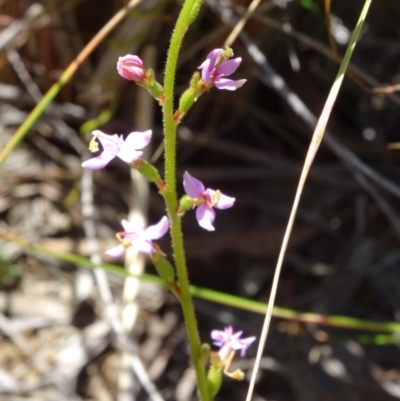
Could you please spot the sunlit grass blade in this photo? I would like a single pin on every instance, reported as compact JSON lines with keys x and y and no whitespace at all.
{"x":216,"y":296}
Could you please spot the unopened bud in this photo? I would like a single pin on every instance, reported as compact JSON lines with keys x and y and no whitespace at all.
{"x":131,"y":68}
{"x":195,"y":11}
{"x":164,"y":268}
{"x":214,"y":380}
{"x":149,"y":172}
{"x":227,"y":53}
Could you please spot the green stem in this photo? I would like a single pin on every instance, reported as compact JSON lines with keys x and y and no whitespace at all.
{"x":170,"y":196}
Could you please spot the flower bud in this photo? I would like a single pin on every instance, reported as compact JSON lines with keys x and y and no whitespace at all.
{"x":131,"y":68}
{"x":214,"y":380}
{"x":204,"y":355}
{"x":227,"y":53}
{"x":189,"y":97}
{"x":164,"y":268}
{"x":155,"y":89}
{"x":185,"y":103}
{"x":195,"y":11}
{"x":149,"y":172}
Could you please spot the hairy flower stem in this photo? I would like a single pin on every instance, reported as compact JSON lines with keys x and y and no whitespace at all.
{"x":171,"y":199}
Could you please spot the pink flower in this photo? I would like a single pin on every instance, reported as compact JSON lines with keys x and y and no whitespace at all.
{"x":213,"y":71}
{"x":116,"y":145}
{"x":131,"y":67}
{"x":139,"y":237}
{"x":230,"y":342}
{"x":205,"y":200}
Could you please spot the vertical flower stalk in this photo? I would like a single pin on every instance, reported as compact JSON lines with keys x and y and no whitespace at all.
{"x":171,"y":198}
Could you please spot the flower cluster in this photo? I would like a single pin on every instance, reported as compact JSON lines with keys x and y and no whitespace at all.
{"x":218,"y":65}
{"x":214,"y":70}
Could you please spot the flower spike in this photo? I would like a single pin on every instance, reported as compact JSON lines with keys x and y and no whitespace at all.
{"x":116,"y":145}
{"x":205,"y":200}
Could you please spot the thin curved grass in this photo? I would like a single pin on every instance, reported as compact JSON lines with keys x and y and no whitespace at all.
{"x":311,"y":153}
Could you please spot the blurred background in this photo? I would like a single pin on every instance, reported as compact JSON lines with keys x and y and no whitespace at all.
{"x":59,"y":323}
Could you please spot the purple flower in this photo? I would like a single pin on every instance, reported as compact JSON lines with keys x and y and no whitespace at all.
{"x":205,"y":213}
{"x":228,"y":341}
{"x":115,"y":145}
{"x":136,"y":235}
{"x":213,"y":71}
{"x":131,"y":67}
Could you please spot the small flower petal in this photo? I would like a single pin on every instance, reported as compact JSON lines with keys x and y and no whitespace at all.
{"x":236,"y":335}
{"x":100,"y":161}
{"x":129,"y":155}
{"x":116,"y":251}
{"x":128,"y":227}
{"x":224,"y":202}
{"x":158,"y":230}
{"x":135,"y":140}
{"x":109,"y":141}
{"x":205,"y":217}
{"x":213,"y":55}
{"x":193,"y":187}
{"x":228,"y":67}
{"x":132,"y":231}
{"x":218,"y":336}
{"x":145,"y":246}
{"x":246,"y":342}
{"x":211,"y":59}
{"x":206,"y":72}
{"x":229,"y":84}
{"x":138,"y":140}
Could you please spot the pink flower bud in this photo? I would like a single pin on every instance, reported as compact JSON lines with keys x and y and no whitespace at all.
{"x":131,"y":67}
